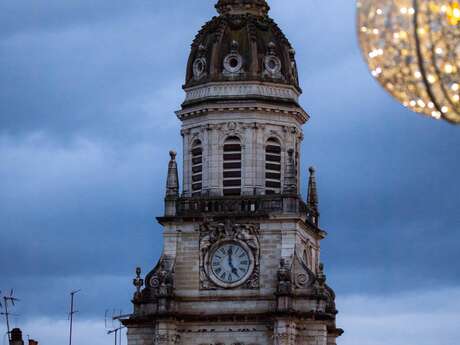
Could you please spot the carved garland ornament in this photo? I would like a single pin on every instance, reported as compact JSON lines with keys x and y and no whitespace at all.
{"x":219,"y":236}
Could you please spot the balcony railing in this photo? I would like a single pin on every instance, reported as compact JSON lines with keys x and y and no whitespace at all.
{"x":238,"y":206}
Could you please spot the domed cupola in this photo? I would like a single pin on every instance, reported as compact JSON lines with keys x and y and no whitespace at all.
{"x":241,"y":47}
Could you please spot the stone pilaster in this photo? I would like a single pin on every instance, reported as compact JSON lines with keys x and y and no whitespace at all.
{"x":166,"y":333}
{"x":259,"y":158}
{"x":247,"y":180}
{"x":207,"y":158}
{"x":186,"y":173}
{"x":285,"y":332}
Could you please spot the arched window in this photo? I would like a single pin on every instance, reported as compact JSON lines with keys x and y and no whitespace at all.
{"x":273,"y":167}
{"x":232,"y":166}
{"x":197,"y":168}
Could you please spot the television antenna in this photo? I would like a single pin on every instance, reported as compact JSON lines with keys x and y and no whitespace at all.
{"x":114,"y":329}
{"x":6,"y":300}
{"x":72,"y":312}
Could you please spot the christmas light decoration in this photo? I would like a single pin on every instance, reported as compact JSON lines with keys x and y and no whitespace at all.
{"x":412,"y":48}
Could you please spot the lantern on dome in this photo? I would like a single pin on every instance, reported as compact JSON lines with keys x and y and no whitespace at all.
{"x":412,"y":48}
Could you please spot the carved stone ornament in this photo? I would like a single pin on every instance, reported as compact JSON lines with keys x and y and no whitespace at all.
{"x":233,"y":62}
{"x":235,"y":89}
{"x":232,"y":126}
{"x":199,"y":68}
{"x":304,"y":251}
{"x":303,"y":275}
{"x":167,"y":339}
{"x":214,"y":235}
{"x":161,"y":280}
{"x":284,"y":278}
{"x":138,"y":282}
{"x":272,"y":63}
{"x":273,"y":66}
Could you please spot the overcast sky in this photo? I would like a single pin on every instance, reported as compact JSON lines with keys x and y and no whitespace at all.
{"x":88,"y":91}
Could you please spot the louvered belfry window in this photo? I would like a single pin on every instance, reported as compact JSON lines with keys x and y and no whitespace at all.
{"x":232,"y":166}
{"x":197,"y":168}
{"x":273,"y":167}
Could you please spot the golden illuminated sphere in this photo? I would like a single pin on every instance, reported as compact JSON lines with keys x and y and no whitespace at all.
{"x":412,"y":48}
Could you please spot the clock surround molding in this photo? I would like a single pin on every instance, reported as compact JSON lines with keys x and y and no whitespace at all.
{"x":213,"y":235}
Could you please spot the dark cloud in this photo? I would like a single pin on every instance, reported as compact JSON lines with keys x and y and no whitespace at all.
{"x":388,"y":184}
{"x":102,"y":78}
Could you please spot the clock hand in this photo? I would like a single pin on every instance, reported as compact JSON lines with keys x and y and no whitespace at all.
{"x":230,"y":261}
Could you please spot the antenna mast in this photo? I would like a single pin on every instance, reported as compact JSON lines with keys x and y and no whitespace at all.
{"x":117,"y":331}
{"x":6,"y":300}
{"x":72,"y":312}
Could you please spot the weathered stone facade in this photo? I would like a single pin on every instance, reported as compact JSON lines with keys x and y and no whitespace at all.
{"x":241,"y":259}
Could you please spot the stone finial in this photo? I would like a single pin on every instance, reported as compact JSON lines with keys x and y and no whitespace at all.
{"x":234,"y":46}
{"x":172,"y":183}
{"x":138,"y":282}
{"x":257,"y":7}
{"x":313,"y":200}
{"x":321,"y":276}
{"x":290,"y":179}
{"x":271,"y":48}
{"x":201,"y":50}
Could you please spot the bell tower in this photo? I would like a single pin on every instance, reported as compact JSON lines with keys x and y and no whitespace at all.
{"x":241,"y":258}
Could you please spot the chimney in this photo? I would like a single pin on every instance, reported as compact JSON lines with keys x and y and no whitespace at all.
{"x":33,"y":342}
{"x":16,"y":337}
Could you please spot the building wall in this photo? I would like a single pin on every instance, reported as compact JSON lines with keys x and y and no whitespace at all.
{"x":279,"y":238}
{"x":281,"y":332}
{"x":254,"y":129}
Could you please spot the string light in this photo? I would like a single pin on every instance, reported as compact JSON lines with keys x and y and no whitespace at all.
{"x":412,"y":48}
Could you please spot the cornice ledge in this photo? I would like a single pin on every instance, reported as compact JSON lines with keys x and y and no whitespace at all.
{"x":241,"y":90}
{"x":204,"y":109}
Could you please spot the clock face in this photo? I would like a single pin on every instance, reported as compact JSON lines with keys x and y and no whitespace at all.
{"x":230,"y":263}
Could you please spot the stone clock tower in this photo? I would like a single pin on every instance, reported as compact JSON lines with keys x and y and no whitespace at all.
{"x":241,"y":259}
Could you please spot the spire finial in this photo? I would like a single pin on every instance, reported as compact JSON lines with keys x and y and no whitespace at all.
{"x":313,"y":200}
{"x":257,"y":7}
{"x":172,"y":183}
{"x":172,"y":186}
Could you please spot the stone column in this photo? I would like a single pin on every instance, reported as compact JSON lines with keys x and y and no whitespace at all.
{"x":247,"y":184}
{"x":214,"y":161}
{"x":259,"y":158}
{"x":186,"y":183}
{"x":206,"y":147}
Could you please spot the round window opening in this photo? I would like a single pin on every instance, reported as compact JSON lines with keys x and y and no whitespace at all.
{"x":233,"y":62}
{"x":199,"y":67}
{"x":272,"y":65}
